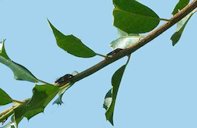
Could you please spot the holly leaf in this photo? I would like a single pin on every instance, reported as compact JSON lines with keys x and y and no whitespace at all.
{"x":4,"y":98}
{"x":72,"y":44}
{"x":20,"y":72}
{"x":131,"y":16}
{"x":180,"y":28}
{"x":110,"y":98}
{"x":180,"y":5}
{"x":42,"y":95}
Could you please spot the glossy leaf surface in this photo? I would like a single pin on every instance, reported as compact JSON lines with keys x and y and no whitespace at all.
{"x":131,"y":16}
{"x":72,"y":44}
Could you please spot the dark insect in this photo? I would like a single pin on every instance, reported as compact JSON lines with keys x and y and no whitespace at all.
{"x":64,"y":79}
{"x":114,"y":52}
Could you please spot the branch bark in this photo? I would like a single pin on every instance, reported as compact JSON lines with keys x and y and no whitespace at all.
{"x":108,"y":60}
{"x":152,"y":35}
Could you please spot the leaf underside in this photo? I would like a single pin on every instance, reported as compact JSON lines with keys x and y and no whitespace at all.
{"x":125,"y":42}
{"x":180,"y":28}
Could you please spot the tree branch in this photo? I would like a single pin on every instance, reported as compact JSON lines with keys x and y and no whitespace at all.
{"x":108,"y":60}
{"x":152,"y":35}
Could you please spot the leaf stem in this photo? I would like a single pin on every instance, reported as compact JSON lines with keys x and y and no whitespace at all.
{"x":126,"y":52}
{"x":129,"y":58}
{"x":17,"y":101}
{"x":104,"y":56}
{"x":44,"y":82}
{"x":163,"y":19}
{"x":152,"y":35}
{"x":8,"y":112}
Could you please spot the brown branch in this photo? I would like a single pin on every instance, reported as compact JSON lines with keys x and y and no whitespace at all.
{"x":176,"y":18}
{"x":108,"y":60}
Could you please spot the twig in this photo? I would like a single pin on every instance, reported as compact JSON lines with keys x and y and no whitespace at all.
{"x":176,"y":18}
{"x":17,"y":101}
{"x":8,"y":112}
{"x":98,"y":54}
{"x":189,"y":8}
{"x":164,"y":19}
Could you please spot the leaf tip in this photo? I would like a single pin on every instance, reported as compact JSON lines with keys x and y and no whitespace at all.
{"x":111,"y":121}
{"x":49,"y":22}
{"x":2,"y":45}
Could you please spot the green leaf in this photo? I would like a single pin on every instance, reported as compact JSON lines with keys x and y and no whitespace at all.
{"x":110,"y":98}
{"x":180,"y":5}
{"x":11,"y":124}
{"x":122,"y":33}
{"x":133,"y":17}
{"x":59,"y":101}
{"x":180,"y":28}
{"x":72,"y":44}
{"x":4,"y":98}
{"x":20,"y":72}
{"x":66,"y":85}
{"x":125,"y":41}
{"x":42,"y":95}
{"x":61,"y":92}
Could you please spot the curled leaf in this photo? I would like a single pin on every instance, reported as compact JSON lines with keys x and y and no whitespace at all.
{"x":125,"y":41}
{"x":180,"y":28}
{"x":110,"y":98}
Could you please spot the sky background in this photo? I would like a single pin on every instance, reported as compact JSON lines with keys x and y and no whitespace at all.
{"x":158,"y":88}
